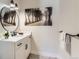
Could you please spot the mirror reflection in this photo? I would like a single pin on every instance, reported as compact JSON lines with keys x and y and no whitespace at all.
{"x":9,"y":18}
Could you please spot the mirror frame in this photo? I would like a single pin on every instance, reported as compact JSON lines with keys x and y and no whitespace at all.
{"x":1,"y":18}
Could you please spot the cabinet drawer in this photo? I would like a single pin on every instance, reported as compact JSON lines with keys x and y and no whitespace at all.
{"x":21,"y":43}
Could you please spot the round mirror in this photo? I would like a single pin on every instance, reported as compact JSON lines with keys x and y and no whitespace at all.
{"x":9,"y":19}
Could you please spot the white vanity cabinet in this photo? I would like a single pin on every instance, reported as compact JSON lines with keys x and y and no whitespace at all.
{"x":22,"y":49}
{"x":17,"y":49}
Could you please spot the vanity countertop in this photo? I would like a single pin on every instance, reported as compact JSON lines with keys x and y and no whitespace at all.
{"x":17,"y":37}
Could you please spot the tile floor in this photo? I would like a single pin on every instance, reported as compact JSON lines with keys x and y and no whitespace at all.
{"x":32,"y":56}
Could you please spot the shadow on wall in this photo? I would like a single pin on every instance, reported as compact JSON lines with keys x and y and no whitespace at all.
{"x":34,"y":48}
{"x":36,"y":17}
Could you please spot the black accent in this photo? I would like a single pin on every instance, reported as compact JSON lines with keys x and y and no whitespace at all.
{"x":26,"y":46}
{"x":19,"y":44}
{"x":72,"y":35}
{"x":68,"y":43}
{"x":16,"y":4}
{"x":20,"y":33}
{"x":78,"y":35}
{"x":0,"y":17}
{"x":49,"y":16}
{"x":12,"y":1}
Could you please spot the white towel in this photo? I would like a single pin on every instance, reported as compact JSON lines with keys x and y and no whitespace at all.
{"x":62,"y":40}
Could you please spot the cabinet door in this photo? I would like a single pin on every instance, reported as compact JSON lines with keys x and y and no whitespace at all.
{"x":6,"y":50}
{"x":27,"y":46}
{"x":23,"y":48}
{"x":20,"y":53}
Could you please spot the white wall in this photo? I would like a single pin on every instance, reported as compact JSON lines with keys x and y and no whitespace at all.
{"x":23,"y":4}
{"x":5,"y":1}
{"x":69,"y":16}
{"x":69,"y":19}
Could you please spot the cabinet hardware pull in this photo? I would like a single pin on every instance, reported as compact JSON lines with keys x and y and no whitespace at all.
{"x":26,"y":46}
{"x":19,"y":44}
